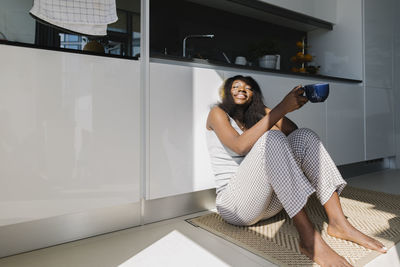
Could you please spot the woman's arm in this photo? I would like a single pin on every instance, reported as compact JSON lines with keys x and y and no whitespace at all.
{"x":241,"y":144}
{"x":285,"y":124}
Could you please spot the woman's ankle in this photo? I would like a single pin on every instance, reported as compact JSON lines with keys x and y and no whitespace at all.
{"x":305,"y":228}
{"x":339,"y":225}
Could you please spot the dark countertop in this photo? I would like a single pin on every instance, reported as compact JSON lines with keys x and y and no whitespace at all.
{"x":256,"y":68}
{"x":205,"y":62}
{"x":66,"y":50}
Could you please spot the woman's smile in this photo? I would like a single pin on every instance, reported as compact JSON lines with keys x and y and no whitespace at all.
{"x":241,"y":92}
{"x":241,"y":96}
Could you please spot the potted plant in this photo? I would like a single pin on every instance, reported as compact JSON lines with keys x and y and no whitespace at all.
{"x":266,"y":52}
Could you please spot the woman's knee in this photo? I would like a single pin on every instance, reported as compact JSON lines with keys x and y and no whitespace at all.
{"x":247,"y":219}
{"x":274,"y":137}
{"x":304,"y":133}
{"x":237,"y":216}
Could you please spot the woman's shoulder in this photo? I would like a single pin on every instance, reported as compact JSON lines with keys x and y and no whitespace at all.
{"x":215,"y":115}
{"x":217,"y":110}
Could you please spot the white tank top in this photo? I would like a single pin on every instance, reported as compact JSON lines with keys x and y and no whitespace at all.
{"x":224,"y":161}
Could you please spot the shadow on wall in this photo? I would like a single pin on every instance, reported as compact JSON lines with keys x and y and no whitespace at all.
{"x":179,"y":161}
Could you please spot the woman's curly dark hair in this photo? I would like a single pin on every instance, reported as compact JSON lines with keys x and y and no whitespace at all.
{"x":247,"y":115}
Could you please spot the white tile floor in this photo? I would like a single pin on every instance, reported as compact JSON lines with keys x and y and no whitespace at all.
{"x":176,"y":243}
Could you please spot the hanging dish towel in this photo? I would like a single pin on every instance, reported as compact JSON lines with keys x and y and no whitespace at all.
{"x":83,"y":16}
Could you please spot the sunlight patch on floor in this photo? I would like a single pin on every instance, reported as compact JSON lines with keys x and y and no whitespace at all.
{"x":174,"y":249}
{"x":390,"y":259}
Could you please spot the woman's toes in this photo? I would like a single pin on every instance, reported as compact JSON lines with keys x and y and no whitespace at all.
{"x":376,"y":245}
{"x":352,"y":234}
{"x":382,"y":248}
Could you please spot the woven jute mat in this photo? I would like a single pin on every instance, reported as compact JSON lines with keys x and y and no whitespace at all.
{"x":376,"y":214}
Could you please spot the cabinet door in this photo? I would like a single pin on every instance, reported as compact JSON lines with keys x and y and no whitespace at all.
{"x":171,"y":133}
{"x":339,"y":52}
{"x":206,"y":84}
{"x":180,"y":98}
{"x":378,"y":28}
{"x":345,"y":123}
{"x":275,"y":88}
{"x":70,"y":136}
{"x":379,"y":123}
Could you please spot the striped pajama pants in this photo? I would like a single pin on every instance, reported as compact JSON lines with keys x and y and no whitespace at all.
{"x":279,"y":172}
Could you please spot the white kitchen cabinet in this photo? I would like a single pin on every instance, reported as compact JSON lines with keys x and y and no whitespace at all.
{"x":345,"y":123}
{"x":321,"y":9}
{"x":171,"y":133}
{"x":312,"y":116}
{"x":275,"y":88}
{"x":378,"y":32}
{"x":379,"y":123}
{"x":70,"y":135}
{"x":379,"y":18}
{"x":339,"y":52}
{"x":180,"y":97}
{"x":205,"y":94}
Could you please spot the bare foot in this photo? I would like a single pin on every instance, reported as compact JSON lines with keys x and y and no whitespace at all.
{"x":348,"y":232}
{"x":318,"y":251}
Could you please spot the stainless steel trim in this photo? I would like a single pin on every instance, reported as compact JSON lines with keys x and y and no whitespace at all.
{"x":145,"y":102}
{"x":170,"y":207}
{"x":27,"y":236}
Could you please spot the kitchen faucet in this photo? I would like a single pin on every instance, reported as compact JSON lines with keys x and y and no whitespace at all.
{"x":194,"y":36}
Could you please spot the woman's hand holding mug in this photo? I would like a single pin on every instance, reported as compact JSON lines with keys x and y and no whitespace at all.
{"x":295,"y":99}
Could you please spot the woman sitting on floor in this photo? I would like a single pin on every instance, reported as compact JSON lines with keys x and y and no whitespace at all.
{"x":263,"y":163}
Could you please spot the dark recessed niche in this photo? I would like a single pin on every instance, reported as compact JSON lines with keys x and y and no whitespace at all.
{"x":235,"y":34}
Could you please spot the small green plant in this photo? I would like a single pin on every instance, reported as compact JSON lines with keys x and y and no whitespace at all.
{"x":262,"y":48}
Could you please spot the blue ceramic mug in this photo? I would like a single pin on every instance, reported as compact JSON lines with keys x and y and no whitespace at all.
{"x":317,"y":92}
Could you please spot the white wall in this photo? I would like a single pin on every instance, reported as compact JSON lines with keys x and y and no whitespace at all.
{"x":69,"y":133}
{"x":339,"y":52}
{"x":15,"y":22}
